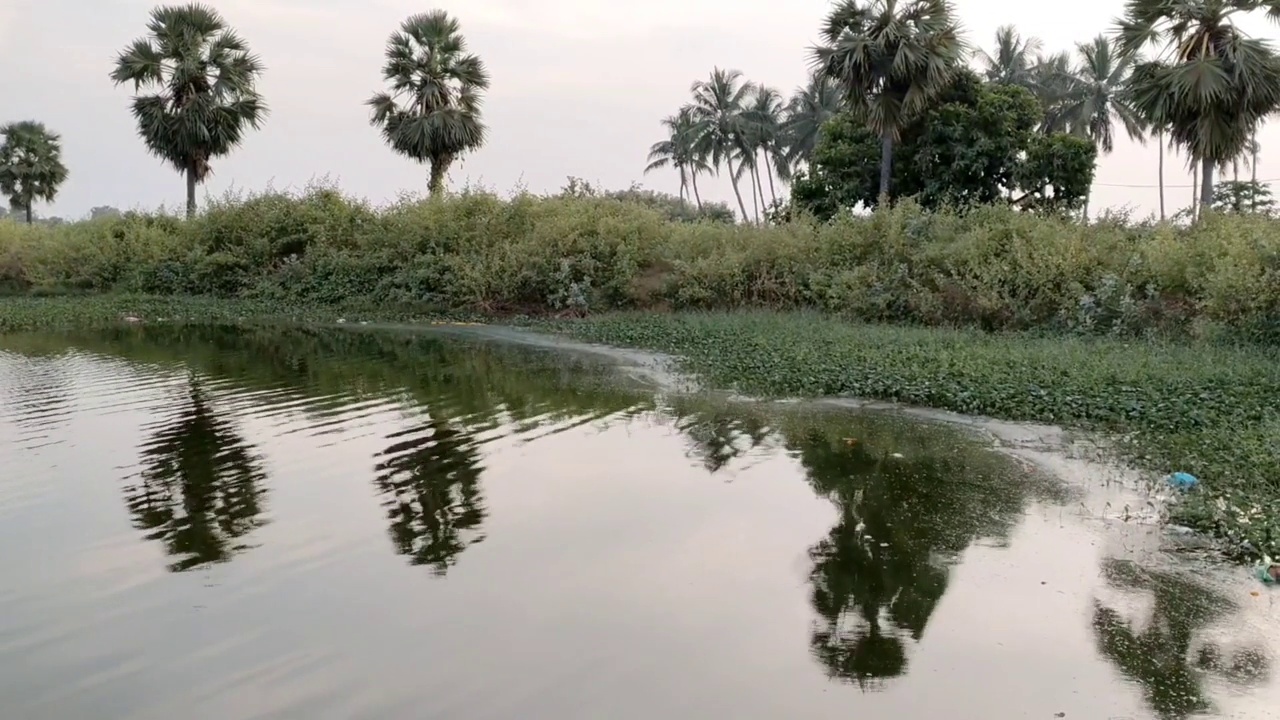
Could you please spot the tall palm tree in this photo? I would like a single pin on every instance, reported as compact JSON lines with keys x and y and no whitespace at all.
{"x":1054,"y":82}
{"x":892,"y":57}
{"x":432,"y":112}
{"x":203,"y":80}
{"x":717,"y":108}
{"x":1100,"y":96}
{"x":764,"y":116}
{"x":808,"y":110}
{"x":1014,"y":59}
{"x":679,"y":150}
{"x":30,"y":164}
{"x":1210,"y":79}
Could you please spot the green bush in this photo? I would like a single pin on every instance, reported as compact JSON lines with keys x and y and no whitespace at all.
{"x":993,"y":268}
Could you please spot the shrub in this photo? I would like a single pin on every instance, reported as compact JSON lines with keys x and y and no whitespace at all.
{"x":991,"y":267}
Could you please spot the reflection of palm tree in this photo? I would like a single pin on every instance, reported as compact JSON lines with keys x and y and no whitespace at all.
{"x":1159,"y":656}
{"x":430,"y":480}
{"x":881,"y":571}
{"x":717,"y":437}
{"x":201,"y":488}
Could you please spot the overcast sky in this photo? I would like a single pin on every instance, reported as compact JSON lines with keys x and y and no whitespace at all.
{"x":579,"y":87}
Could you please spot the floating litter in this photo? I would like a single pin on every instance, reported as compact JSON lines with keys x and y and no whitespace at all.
{"x":1183,"y":481}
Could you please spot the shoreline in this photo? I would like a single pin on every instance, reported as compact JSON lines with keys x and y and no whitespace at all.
{"x":770,"y":357}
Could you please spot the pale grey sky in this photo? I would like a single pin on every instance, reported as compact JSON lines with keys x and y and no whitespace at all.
{"x":578,"y":89}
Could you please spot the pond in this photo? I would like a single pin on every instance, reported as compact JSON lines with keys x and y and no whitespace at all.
{"x":208,"y":522}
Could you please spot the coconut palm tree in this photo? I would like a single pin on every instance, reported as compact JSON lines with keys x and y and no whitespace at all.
{"x":1209,"y":78}
{"x":1013,"y":60}
{"x":717,"y":109}
{"x":679,"y":150}
{"x":1054,"y":82}
{"x":764,"y":115}
{"x":808,"y":110}
{"x":202,"y":80}
{"x":892,"y":57}
{"x":1100,"y":96}
{"x":31,"y":166}
{"x":432,"y":112}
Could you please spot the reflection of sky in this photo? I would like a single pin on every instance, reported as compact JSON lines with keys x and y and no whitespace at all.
{"x":617,"y":580}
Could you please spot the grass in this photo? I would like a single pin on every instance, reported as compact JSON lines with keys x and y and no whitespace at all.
{"x":1204,"y":409}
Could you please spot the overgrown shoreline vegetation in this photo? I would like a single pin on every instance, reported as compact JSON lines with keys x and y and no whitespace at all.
{"x":1163,"y":336}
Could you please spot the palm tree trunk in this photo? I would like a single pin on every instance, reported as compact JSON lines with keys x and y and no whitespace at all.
{"x":768,"y":169}
{"x":696,"y":196}
{"x":28,"y":208}
{"x":886,"y":165}
{"x":754,"y":179}
{"x":684,"y":188}
{"x":1195,"y":193}
{"x":191,"y":190}
{"x":439,"y":169}
{"x":1206,"y":181}
{"x":733,"y":179}
{"x":1253,"y":180}
{"x":1085,"y":214}
{"x":1160,"y":136}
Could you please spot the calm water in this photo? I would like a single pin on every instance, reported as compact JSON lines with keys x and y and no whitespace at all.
{"x":222,"y":524}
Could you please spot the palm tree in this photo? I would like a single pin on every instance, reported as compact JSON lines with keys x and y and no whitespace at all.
{"x":30,"y":164}
{"x":1211,"y":80}
{"x":892,"y":57}
{"x":204,"y":89}
{"x":717,"y":110}
{"x":808,"y":110}
{"x":679,"y":150}
{"x":432,"y":113}
{"x":764,"y":116}
{"x":1100,"y":96}
{"x":1054,"y":82}
{"x":1014,"y":59}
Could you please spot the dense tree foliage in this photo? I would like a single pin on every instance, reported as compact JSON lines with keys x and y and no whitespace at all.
{"x":203,"y":77}
{"x":31,"y":166}
{"x":977,"y":144}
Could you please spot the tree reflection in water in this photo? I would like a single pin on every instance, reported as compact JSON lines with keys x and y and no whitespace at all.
{"x":430,"y":483}
{"x":1159,"y":657}
{"x":201,"y":487}
{"x":882,"y":569}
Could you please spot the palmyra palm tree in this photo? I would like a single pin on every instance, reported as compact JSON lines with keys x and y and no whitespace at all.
{"x":891,"y":57}
{"x":1210,"y":81}
{"x":204,"y":99}
{"x":432,"y":112}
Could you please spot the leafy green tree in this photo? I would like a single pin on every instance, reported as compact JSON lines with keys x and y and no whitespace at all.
{"x":1211,"y":82}
{"x":432,"y":112}
{"x":892,"y":57}
{"x":31,"y":166}
{"x":808,"y":110}
{"x":1242,"y":196}
{"x":1014,"y":59}
{"x":204,"y":98}
{"x":679,"y":150}
{"x":975,"y":145}
{"x":717,"y":107}
{"x":201,"y":487}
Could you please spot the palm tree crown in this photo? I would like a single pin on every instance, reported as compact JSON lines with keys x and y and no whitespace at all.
{"x":717,"y":111}
{"x":808,"y":110}
{"x":30,"y":164}
{"x":1210,"y":83}
{"x":432,"y":112}
{"x":1014,"y":59}
{"x":892,"y":57}
{"x":204,"y":98}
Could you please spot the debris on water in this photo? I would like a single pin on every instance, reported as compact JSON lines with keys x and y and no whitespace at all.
{"x":132,"y":319}
{"x":341,"y":320}
{"x":897,"y":456}
{"x":851,"y":441}
{"x":1182,"y":480}
{"x":1180,"y":530}
{"x":1268,"y":570}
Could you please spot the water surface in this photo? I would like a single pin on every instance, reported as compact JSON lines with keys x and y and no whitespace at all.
{"x":222,"y":523}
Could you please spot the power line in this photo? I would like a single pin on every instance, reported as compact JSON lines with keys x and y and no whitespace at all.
{"x":1168,"y":186}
